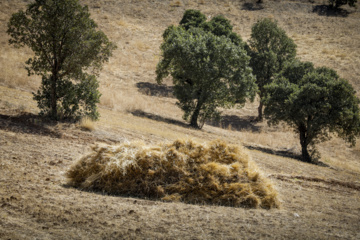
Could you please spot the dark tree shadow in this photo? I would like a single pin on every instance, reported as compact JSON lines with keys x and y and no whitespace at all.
{"x":140,"y":113}
{"x":152,"y":89}
{"x":28,"y":123}
{"x":252,"y":6}
{"x":236,"y":123}
{"x":284,"y":153}
{"x":326,"y":10}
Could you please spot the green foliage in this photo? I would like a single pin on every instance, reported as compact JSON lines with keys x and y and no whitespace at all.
{"x":192,"y":18}
{"x":218,"y":25}
{"x":69,"y":53}
{"x":315,"y":102}
{"x":339,"y":3}
{"x":75,"y":100}
{"x":208,"y":72}
{"x":269,"y":48}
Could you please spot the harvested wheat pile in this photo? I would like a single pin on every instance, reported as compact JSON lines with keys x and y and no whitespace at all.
{"x":214,"y":173}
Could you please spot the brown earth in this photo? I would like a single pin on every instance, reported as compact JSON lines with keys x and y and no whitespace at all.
{"x":317,"y":201}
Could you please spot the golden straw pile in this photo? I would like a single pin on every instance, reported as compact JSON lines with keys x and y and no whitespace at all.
{"x":214,"y":173}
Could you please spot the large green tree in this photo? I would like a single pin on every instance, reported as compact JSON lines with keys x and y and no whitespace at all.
{"x":69,"y":53}
{"x":270,"y":48}
{"x":315,"y":102}
{"x":208,"y":72}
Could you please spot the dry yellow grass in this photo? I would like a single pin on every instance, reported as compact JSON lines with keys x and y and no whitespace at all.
{"x":87,"y":124}
{"x":184,"y":170}
{"x":312,"y":204}
{"x":176,"y":3}
{"x":34,"y":203}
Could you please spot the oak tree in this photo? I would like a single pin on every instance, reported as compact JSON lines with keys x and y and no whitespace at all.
{"x":208,"y":70}
{"x":270,"y":48}
{"x":69,"y":53}
{"x":315,"y":102}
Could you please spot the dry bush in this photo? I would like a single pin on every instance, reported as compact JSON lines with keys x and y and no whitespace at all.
{"x":176,"y":4}
{"x":87,"y":124}
{"x":214,"y":173}
{"x":140,"y":45}
{"x":123,"y":23}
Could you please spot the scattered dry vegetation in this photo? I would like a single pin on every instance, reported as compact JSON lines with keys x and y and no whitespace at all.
{"x":87,"y":124}
{"x":317,"y":202}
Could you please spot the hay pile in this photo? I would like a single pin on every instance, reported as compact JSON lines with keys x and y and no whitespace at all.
{"x":214,"y":173}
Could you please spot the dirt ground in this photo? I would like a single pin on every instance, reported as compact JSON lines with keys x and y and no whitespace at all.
{"x":317,"y":202}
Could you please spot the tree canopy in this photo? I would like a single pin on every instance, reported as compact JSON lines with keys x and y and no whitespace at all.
{"x":208,"y":71}
{"x":218,"y":25}
{"x":315,"y":102}
{"x":270,"y":48}
{"x":69,"y":53}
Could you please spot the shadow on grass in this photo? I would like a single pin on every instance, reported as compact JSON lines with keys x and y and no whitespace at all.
{"x":252,"y":6}
{"x":325,"y":10}
{"x":283,"y":153}
{"x":153,"y":89}
{"x":140,"y":113}
{"x":236,"y":123}
{"x":28,"y":123}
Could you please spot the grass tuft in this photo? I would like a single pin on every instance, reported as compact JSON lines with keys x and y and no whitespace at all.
{"x":213,"y":173}
{"x":87,"y":124}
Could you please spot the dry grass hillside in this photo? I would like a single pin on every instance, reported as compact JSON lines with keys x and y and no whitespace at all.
{"x":317,"y":201}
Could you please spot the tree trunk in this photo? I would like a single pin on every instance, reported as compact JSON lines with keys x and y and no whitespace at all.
{"x":53,"y":98}
{"x":304,"y":144}
{"x":195,"y":115}
{"x":260,"y":111}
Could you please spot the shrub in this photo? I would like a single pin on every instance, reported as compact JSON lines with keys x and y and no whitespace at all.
{"x":338,"y":3}
{"x":87,"y":124}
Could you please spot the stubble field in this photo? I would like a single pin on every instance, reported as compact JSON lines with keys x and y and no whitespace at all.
{"x":317,"y":202}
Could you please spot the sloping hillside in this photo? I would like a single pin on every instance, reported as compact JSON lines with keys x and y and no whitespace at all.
{"x":317,"y":202}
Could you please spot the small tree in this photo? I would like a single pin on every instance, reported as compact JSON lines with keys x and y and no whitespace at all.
{"x":208,"y":72}
{"x":269,"y":48}
{"x":338,"y":3}
{"x":315,"y":102}
{"x":69,"y":53}
{"x":192,"y":18}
